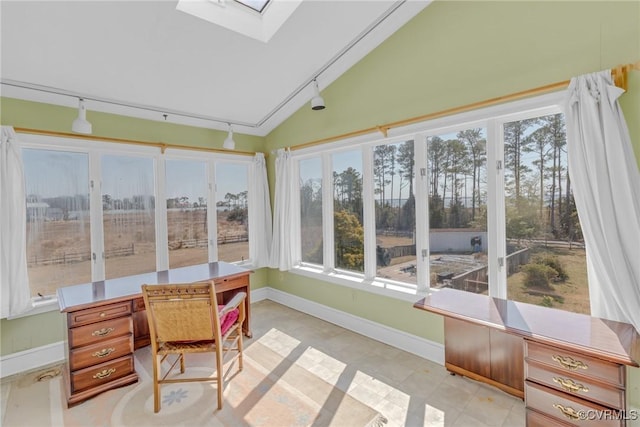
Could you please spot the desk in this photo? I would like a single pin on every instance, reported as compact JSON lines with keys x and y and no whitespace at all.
{"x":106,"y":321}
{"x":560,"y":362}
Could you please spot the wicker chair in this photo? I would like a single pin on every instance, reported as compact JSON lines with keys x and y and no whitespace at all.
{"x":185,"y":318}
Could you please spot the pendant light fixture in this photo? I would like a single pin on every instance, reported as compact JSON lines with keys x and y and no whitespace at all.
{"x":229,"y":143}
{"x":317,"y":103}
{"x":80,"y":124}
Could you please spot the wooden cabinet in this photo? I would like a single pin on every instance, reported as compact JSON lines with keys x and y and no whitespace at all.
{"x":574,"y":387}
{"x":100,"y":350}
{"x":484,"y":354}
{"x":141,"y":336}
{"x":227,"y":287}
{"x":106,"y":321}
{"x":567,"y":366}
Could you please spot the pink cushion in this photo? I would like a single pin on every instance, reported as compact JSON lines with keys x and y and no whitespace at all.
{"x":228,"y":319}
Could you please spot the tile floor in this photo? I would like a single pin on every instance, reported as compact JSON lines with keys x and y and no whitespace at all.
{"x":406,"y":389}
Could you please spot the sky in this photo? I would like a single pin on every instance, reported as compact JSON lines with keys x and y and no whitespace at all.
{"x":52,"y":173}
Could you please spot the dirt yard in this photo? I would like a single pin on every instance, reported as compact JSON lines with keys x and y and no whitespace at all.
{"x":60,"y":256}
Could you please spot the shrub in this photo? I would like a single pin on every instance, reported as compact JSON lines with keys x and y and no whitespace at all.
{"x":547,"y":301}
{"x":553,"y":262}
{"x":538,"y":275}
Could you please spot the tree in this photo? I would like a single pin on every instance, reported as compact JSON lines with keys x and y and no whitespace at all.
{"x":383,"y":165}
{"x":457,"y":166}
{"x":348,"y":191}
{"x":514,"y":142}
{"x":405,"y":161}
{"x":349,"y":241}
{"x":477,"y":147}
{"x":435,"y":155}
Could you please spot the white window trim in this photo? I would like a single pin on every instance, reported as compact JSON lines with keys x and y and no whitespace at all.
{"x":492,"y":118}
{"x":94,"y":149}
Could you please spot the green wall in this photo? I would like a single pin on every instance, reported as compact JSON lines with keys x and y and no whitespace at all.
{"x":32,"y":115}
{"x":47,"y":328}
{"x":453,"y":53}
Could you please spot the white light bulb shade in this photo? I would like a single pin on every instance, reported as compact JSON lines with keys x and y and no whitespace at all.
{"x":80,"y":124}
{"x":229,"y":143}
{"x":317,"y":103}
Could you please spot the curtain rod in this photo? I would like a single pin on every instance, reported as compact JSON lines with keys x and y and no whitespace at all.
{"x":619,"y":75}
{"x":163,"y":146}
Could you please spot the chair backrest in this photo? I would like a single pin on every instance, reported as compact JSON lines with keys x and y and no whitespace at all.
{"x":182,"y":312}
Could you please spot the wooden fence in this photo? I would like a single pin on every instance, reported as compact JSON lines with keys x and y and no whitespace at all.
{"x":73,"y":257}
{"x":477,"y":280}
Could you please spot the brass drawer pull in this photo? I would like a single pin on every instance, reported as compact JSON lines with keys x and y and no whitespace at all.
{"x":569,"y":362}
{"x":102,"y":314}
{"x":104,"y":374}
{"x":102,"y":332}
{"x":567,"y":411}
{"x":104,"y":352}
{"x":570,"y":385}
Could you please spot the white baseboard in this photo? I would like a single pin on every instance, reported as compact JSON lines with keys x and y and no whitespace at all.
{"x":28,"y":360}
{"x":419,"y":346}
{"x":34,"y":358}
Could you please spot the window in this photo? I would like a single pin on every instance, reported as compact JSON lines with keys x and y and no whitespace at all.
{"x":187,"y":227}
{"x":232,"y":211}
{"x":92,"y":213}
{"x":546,"y":259}
{"x":58,"y":219}
{"x":257,"y":5}
{"x":480,"y":202}
{"x":347,"y":217}
{"x":394,"y":174}
{"x":311,"y":210}
{"x":128,"y":213}
{"x":457,"y":164}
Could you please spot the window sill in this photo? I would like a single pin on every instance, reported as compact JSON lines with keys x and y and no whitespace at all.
{"x":40,"y":305}
{"x":398,"y":290}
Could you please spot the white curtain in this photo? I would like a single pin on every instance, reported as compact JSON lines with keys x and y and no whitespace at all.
{"x":286,"y":227}
{"x":14,"y":281}
{"x":606,"y":189}
{"x":259,"y":213}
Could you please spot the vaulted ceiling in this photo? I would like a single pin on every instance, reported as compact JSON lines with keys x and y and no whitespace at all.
{"x":150,"y":59}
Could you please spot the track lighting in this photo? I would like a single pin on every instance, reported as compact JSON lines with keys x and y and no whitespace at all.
{"x":317,"y":103}
{"x":229,"y":143}
{"x":80,"y":124}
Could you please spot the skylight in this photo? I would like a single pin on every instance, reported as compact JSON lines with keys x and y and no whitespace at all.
{"x":240,"y":15}
{"x":257,"y":5}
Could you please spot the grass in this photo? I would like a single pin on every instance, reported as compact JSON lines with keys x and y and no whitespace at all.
{"x":570,"y":295}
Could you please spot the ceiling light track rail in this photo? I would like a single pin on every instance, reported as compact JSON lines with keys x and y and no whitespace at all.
{"x":333,"y":60}
{"x":163,"y":112}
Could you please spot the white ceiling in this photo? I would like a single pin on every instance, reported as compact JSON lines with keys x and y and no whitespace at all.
{"x":123,"y":55}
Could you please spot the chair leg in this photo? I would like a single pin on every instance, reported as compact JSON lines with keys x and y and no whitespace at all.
{"x":156,"y":385}
{"x":219,"y":373}
{"x":181,"y":363}
{"x":240,"y":350}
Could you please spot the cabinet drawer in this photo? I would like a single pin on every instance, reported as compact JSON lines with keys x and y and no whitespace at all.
{"x":575,"y":385}
{"x":536,"y":419}
{"x":232,"y":283}
{"x":101,"y":352}
{"x":568,"y":361}
{"x":96,"y":332}
{"x":566,"y":408}
{"x":101,"y":374}
{"x":104,"y":312}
